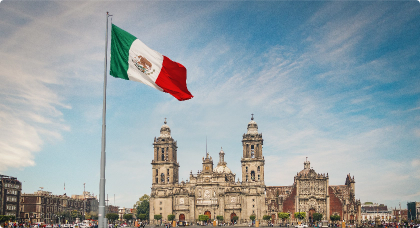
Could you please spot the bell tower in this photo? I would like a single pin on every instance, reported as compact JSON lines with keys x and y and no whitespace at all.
{"x":164,"y":165}
{"x":253,"y":159}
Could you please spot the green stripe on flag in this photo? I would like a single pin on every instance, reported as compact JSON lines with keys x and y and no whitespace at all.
{"x":120,"y":45}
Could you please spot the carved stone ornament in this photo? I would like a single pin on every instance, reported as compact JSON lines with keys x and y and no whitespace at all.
{"x":207,"y":194}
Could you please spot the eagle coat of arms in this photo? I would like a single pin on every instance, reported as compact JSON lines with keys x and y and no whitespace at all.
{"x":143,"y":64}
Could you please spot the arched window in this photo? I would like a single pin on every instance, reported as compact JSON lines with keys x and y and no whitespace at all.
{"x":247,"y":169}
{"x":258,"y":169}
{"x":163,"y":154}
{"x":258,"y":177}
{"x":246,"y":178}
{"x":252,"y":175}
{"x":162,"y":178}
{"x":168,"y":180}
{"x":252,"y":151}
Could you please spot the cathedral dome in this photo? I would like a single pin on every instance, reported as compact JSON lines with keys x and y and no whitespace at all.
{"x":222,"y":169}
{"x":221,"y":166}
{"x":252,"y":127}
{"x":165,"y":131}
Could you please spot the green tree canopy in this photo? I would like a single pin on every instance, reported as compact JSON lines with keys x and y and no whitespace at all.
{"x":142,"y":206}
{"x":94,"y":215}
{"x":112,"y":216}
{"x":145,"y":197}
{"x":158,"y":217}
{"x":219,"y":217}
{"x":284,"y":215}
{"x":142,"y":217}
{"x":235,"y":218}
{"x":74,"y":214}
{"x":252,"y":217}
{"x":317,"y":216}
{"x":203,"y":218}
{"x":91,"y":215}
{"x":300,"y":215}
{"x":335,"y":217}
{"x":65,"y":215}
{"x":266,"y":218}
{"x":128,"y":216}
{"x":4,"y":218}
{"x":171,"y":217}
{"x":88,"y":216}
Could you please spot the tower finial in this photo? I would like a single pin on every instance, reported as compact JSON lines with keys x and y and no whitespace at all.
{"x":165,"y":120}
{"x":252,"y":118}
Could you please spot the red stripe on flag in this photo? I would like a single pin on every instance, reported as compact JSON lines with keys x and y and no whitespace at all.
{"x":173,"y":79}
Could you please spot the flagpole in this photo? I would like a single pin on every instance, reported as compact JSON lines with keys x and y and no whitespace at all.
{"x":101,"y":214}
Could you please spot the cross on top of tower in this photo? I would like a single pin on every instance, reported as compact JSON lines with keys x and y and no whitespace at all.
{"x":165,"y":120}
{"x":252,"y":118}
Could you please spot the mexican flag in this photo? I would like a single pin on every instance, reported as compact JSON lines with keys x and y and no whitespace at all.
{"x":132,"y":60}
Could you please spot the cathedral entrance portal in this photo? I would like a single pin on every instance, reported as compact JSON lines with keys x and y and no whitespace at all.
{"x":351,"y":218}
{"x":231,"y":217}
{"x":311,"y":215}
{"x":181,"y":217}
{"x":208,"y":213}
{"x":273,"y":218}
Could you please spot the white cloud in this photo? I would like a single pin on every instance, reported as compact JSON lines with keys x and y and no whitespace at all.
{"x":415,"y":162}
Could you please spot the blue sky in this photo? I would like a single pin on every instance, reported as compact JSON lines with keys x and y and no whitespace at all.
{"x":337,"y":82}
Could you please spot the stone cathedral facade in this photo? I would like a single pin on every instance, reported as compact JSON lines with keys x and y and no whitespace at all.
{"x":215,"y":191}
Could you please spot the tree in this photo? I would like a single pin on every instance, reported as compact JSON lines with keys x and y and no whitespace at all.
{"x":300,"y":215}
{"x":235,"y":218}
{"x":203,"y":218}
{"x":74,"y":214}
{"x":252,"y":217}
{"x":63,"y":215}
{"x":171,"y":217}
{"x":128,"y":216}
{"x":317,"y":216}
{"x":283,"y":216}
{"x":219,"y":218}
{"x":112,"y":217}
{"x":266,"y":218}
{"x":4,"y":218}
{"x":88,"y":216}
{"x":142,"y":206}
{"x":142,"y":217}
{"x":335,"y":217}
{"x":94,"y":215}
{"x":91,"y":215}
{"x":145,"y":197}
{"x":158,"y":217}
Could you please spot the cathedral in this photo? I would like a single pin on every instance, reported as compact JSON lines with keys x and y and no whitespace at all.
{"x":213,"y":191}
